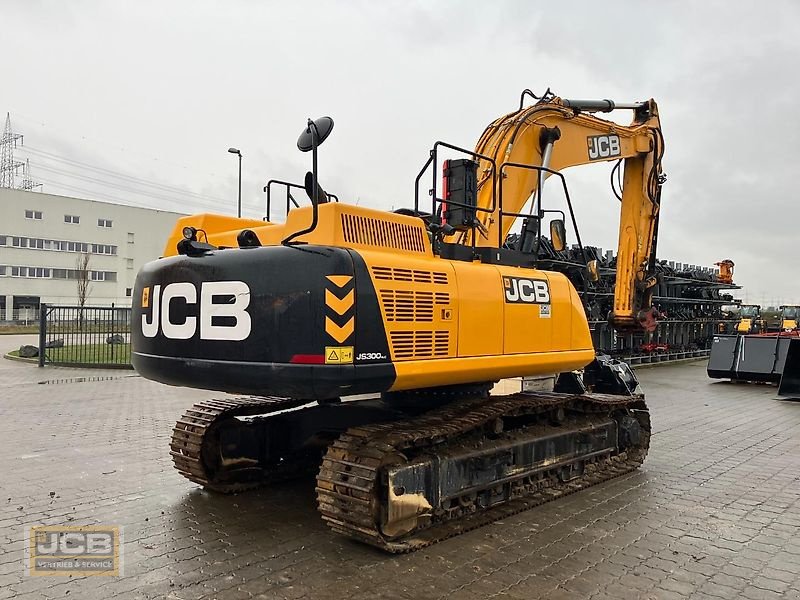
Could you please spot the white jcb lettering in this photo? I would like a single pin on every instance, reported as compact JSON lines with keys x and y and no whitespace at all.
{"x":150,"y":329}
{"x":524,"y":290}
{"x":613,"y":145}
{"x":236,"y":310}
{"x":542,"y":291}
{"x":603,"y":146}
{"x":178,"y":331}
{"x":512,"y":293}
{"x":222,"y":311}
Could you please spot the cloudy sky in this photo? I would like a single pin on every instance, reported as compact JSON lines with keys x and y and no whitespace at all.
{"x":138,"y":102}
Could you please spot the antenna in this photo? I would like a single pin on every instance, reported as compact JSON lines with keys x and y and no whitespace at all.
{"x":8,"y":166}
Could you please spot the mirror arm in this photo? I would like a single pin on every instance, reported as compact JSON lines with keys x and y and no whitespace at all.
{"x":312,"y":128}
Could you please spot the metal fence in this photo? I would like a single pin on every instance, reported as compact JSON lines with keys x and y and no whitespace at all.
{"x":19,"y":316}
{"x":97,"y":336}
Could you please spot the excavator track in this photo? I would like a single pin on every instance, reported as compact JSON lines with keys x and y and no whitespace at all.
{"x":355,"y":494}
{"x":194,"y":443}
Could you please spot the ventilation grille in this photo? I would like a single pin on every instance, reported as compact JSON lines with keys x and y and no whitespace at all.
{"x":419,"y":344}
{"x":415,"y":275}
{"x":411,"y":306}
{"x":385,"y":234}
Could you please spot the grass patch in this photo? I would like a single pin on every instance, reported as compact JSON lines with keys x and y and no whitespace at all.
{"x":69,"y":327}
{"x":18,"y":329}
{"x":66,"y":328}
{"x":89,"y":354}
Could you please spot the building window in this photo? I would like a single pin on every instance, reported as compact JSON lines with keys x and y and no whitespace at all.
{"x":129,"y":262}
{"x":34,"y":272}
{"x":60,"y":245}
{"x":104,"y":249}
{"x":104,"y":223}
{"x":2,"y":271}
{"x":33,"y":214}
{"x":128,"y":291}
{"x":74,"y":219}
{"x":130,"y":237}
{"x":103,"y":276}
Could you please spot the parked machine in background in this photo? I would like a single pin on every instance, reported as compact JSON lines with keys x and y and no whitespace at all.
{"x":725,"y":274}
{"x":790,"y":317}
{"x":731,"y":315}
{"x":770,"y":355}
{"x":750,"y":320}
{"x":772,"y":319}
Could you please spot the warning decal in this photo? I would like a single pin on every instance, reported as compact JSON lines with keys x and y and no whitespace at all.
{"x":338,"y":355}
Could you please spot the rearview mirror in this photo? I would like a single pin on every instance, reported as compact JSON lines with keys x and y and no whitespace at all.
{"x":593,"y":270}
{"x":558,"y":234}
{"x":323,"y":126}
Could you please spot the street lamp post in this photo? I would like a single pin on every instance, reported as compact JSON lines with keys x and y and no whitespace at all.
{"x":239,"y":153}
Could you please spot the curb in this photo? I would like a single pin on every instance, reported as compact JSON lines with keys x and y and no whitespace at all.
{"x":35,"y":361}
{"x":21,"y":359}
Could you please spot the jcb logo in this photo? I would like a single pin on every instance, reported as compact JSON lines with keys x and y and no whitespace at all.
{"x":74,"y":542}
{"x":72,"y":551}
{"x":528,"y":291}
{"x":603,"y":146}
{"x":223,"y":311}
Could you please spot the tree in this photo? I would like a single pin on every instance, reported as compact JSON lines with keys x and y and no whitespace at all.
{"x":84,"y":287}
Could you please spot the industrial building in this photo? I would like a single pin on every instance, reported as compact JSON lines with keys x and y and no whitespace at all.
{"x":44,"y":237}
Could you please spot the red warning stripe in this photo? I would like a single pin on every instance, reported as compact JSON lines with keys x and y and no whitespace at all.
{"x":308,"y":359}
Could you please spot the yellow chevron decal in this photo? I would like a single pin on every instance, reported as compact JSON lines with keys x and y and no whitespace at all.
{"x":340,"y":334}
{"x":340,"y":305}
{"x":339,"y":280}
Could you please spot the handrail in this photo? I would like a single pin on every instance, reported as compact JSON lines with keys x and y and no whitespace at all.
{"x":289,"y":198}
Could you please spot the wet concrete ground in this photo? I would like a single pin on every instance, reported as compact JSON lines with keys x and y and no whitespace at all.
{"x":714,"y":512}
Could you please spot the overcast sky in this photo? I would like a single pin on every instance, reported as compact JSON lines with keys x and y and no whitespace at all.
{"x":160,"y":90}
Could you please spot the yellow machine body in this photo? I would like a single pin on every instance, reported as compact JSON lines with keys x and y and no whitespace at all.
{"x":446,"y":321}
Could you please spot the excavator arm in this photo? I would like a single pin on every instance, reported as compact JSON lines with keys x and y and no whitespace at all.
{"x":555,"y":134}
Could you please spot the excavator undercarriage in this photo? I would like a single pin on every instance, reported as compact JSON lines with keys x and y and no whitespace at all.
{"x":403,"y":479}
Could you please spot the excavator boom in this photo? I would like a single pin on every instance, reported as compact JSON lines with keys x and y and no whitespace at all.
{"x":555,"y":134}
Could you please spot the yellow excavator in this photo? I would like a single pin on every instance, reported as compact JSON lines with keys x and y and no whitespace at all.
{"x":367,"y":341}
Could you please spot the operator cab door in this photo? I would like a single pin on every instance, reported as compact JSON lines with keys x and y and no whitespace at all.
{"x":528,"y":323}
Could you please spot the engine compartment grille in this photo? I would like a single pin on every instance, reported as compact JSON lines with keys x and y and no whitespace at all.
{"x":419,"y":344}
{"x":367,"y":231}
{"x":411,"y":275}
